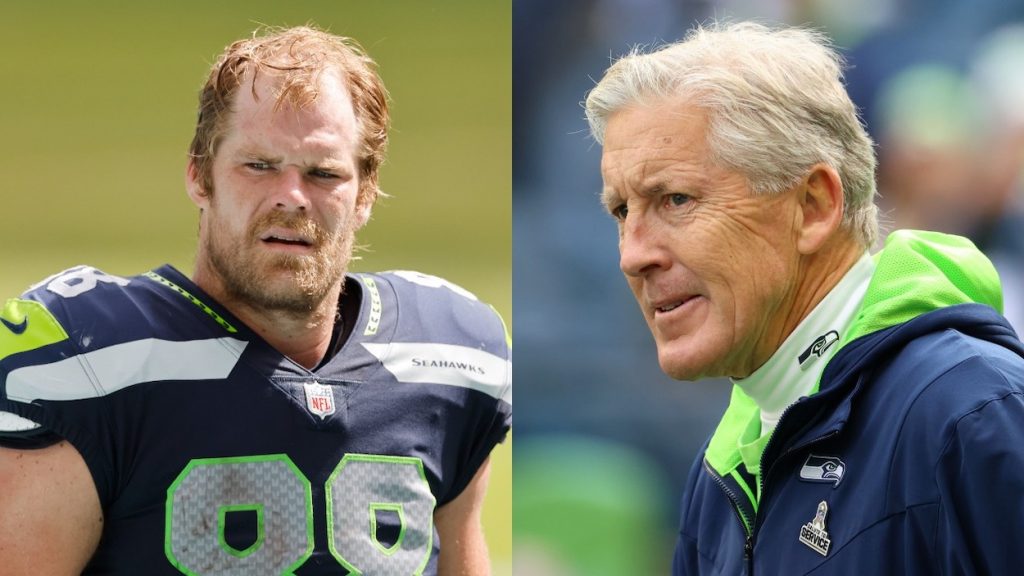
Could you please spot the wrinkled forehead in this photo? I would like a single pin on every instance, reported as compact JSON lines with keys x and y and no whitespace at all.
{"x":650,"y":134}
{"x":263,"y":117}
{"x":663,"y":117}
{"x":269,"y":98}
{"x":277,"y":89}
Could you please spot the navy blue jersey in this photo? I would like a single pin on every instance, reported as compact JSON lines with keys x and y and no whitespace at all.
{"x":214,"y":454}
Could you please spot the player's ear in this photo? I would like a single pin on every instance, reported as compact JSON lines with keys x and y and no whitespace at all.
{"x":364,"y":208}
{"x":363,"y":211}
{"x":194,"y":185}
{"x":821,"y":207}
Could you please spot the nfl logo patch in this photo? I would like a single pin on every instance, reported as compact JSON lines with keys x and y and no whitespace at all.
{"x":319,"y":399}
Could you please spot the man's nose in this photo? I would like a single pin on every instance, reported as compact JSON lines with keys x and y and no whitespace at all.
{"x":291,"y":194}
{"x":640,"y":247}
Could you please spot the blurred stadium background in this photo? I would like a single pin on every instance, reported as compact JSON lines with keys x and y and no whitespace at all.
{"x":604,"y":439}
{"x":98,"y":106}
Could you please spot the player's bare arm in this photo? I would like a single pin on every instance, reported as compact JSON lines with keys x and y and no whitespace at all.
{"x":463,"y":548}
{"x":50,"y":517}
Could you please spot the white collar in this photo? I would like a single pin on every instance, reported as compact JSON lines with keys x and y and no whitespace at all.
{"x":783,"y":379}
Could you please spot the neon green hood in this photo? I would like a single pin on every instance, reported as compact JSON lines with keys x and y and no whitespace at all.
{"x":918,"y":272}
{"x":915,"y":273}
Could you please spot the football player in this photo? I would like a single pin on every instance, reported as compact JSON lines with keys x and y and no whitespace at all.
{"x":272,"y":413}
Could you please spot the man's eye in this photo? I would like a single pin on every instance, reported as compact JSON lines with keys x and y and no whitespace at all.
{"x":323,"y":174}
{"x":258,"y":166}
{"x":676,"y":199}
{"x":619,"y":212}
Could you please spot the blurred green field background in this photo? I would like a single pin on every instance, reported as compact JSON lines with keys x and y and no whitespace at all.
{"x":98,"y":107}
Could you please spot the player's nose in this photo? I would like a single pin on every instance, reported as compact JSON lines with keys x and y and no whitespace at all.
{"x":290,"y":193}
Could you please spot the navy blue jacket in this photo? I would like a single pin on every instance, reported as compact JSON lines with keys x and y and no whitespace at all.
{"x":914,"y":442}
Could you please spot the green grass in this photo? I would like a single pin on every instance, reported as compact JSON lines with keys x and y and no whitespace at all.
{"x":98,"y":108}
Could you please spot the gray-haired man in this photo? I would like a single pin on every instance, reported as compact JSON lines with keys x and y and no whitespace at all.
{"x":877,"y":409}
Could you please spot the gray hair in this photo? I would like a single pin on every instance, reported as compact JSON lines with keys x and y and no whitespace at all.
{"x":776,"y":106}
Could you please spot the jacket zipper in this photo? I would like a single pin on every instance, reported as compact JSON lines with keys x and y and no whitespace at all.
{"x":749,"y":548}
{"x":748,"y":544}
{"x":750,"y":526}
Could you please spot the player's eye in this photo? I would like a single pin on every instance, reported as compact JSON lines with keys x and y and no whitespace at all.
{"x":619,"y":212}
{"x":258,"y":166}
{"x":317,"y":173}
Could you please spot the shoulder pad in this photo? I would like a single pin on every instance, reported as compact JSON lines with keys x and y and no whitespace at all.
{"x":39,"y":318}
{"x":440,"y":320}
{"x":27,"y":325}
{"x":84,"y":303}
{"x":445,"y":312}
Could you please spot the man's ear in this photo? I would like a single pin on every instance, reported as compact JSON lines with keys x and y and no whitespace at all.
{"x":194,"y":186}
{"x":362,"y":215}
{"x":821,"y":207}
{"x":364,"y":205}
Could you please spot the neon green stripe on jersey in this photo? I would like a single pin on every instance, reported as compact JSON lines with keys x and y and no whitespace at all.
{"x":376,"y":308}
{"x":202,"y":305}
{"x":26,"y":325}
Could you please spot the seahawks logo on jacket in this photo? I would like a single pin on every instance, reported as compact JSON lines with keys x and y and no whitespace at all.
{"x":823,"y":469}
